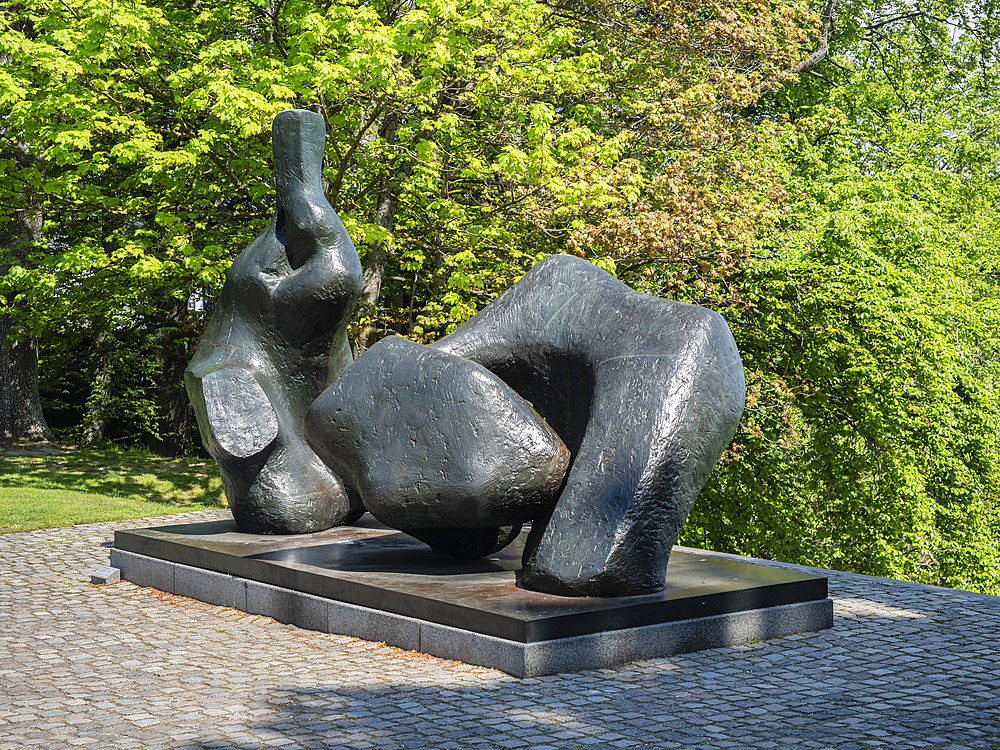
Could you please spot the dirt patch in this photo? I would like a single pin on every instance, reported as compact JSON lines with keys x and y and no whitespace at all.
{"x":36,"y":449}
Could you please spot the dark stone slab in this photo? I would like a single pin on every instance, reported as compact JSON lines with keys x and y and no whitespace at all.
{"x":371,"y":566}
{"x":598,"y":650}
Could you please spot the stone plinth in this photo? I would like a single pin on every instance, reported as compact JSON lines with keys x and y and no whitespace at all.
{"x":376,"y":583}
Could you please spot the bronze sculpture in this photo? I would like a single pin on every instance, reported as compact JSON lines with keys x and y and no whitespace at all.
{"x":572,"y":402}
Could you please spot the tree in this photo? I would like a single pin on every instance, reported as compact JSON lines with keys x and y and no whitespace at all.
{"x":465,"y":140}
{"x":20,"y":409}
{"x":868,"y":318}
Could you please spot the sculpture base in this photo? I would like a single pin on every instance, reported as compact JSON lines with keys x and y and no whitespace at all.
{"x":376,"y":583}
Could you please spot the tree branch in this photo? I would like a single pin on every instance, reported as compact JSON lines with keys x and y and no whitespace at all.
{"x":822,"y":77}
{"x":823,"y":46}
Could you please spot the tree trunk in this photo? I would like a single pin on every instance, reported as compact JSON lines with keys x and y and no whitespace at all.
{"x":96,"y":417}
{"x":176,"y":418}
{"x":20,"y":408}
{"x":373,"y":264}
{"x":819,"y":54}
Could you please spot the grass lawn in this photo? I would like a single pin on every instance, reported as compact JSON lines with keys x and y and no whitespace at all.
{"x":43,"y":491}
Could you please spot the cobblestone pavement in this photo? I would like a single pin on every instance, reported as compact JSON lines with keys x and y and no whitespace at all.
{"x":125,"y":667}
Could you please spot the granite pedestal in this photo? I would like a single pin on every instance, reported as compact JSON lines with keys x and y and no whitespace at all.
{"x":378,"y":584}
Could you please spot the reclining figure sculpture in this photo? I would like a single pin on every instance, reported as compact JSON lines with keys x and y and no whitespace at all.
{"x":571,"y":402}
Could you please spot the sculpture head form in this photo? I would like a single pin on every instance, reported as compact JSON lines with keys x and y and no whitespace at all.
{"x":276,"y":339}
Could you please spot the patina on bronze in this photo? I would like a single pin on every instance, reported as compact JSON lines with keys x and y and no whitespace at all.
{"x":646,"y":392}
{"x":636,"y":396}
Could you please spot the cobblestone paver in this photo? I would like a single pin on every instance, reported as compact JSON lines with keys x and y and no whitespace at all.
{"x":120,"y":666}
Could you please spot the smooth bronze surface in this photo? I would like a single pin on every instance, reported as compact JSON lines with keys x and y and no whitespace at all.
{"x":374,"y":566}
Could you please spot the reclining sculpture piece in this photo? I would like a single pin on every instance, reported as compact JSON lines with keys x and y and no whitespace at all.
{"x":572,"y":402}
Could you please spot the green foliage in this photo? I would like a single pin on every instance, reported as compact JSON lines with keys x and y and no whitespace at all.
{"x":124,"y":396}
{"x":872,"y":435}
{"x":843,"y":221}
{"x":467,"y":139}
{"x":868,"y":324}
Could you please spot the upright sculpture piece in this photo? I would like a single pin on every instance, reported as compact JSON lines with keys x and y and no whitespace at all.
{"x":276,"y":339}
{"x":639,"y":397}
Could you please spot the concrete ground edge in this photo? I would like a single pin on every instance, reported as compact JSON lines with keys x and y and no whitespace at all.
{"x":593,"y":651}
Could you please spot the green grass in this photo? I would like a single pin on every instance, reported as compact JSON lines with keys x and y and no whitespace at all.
{"x":40,"y":492}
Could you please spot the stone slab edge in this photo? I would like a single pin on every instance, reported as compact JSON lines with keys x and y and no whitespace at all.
{"x":593,"y":651}
{"x":896,"y":583}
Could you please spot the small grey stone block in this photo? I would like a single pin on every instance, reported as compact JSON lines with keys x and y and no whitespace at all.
{"x":211,"y":587}
{"x":284,"y":605}
{"x":373,"y":625}
{"x":105,"y":575}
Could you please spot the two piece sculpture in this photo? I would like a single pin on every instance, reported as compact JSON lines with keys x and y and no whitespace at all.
{"x":572,"y":403}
